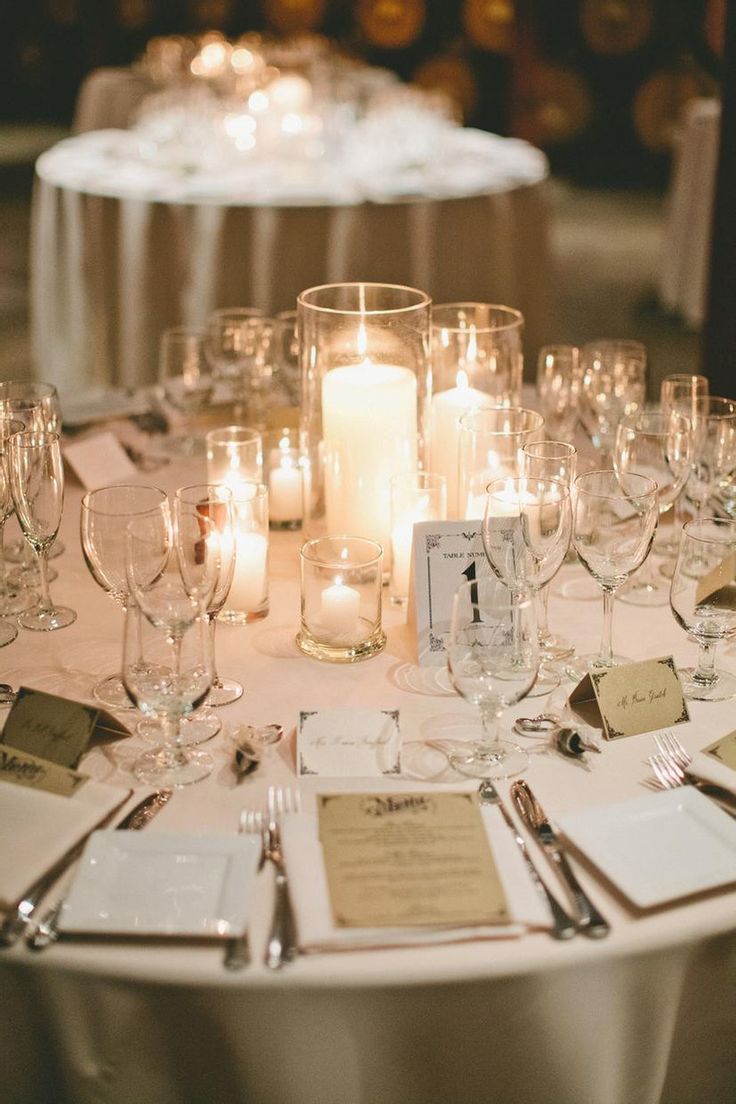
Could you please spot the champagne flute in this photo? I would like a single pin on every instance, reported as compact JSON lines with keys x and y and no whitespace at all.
{"x":12,"y":600}
{"x":103,"y":516}
{"x":186,"y":382}
{"x":678,"y":392}
{"x":615,"y":519}
{"x":558,"y":387}
{"x":613,"y":384}
{"x":37,"y":486}
{"x":656,"y":443}
{"x":492,"y":659}
{"x":703,"y":600}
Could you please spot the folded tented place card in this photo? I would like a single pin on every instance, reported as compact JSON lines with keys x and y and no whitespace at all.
{"x":724,"y":750}
{"x":56,"y":728}
{"x":349,"y":743}
{"x":631,"y":698}
{"x":446,"y":554}
{"x":22,"y":769}
{"x":717,"y":588}
{"x":100,"y":460}
{"x":395,"y":860}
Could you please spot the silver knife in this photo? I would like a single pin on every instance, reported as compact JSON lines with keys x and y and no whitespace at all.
{"x":47,"y":931}
{"x":590,"y":920}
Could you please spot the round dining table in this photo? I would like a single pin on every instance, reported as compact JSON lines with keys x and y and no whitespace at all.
{"x":124,"y":245}
{"x":645,"y":1016}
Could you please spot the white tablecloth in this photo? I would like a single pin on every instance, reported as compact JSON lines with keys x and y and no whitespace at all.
{"x":122,"y":248}
{"x":645,"y":1017}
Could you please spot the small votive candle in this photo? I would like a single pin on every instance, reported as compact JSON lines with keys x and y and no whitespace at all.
{"x":247,"y":599}
{"x":415,"y":496}
{"x":234,"y":457}
{"x":341,"y":599}
{"x":285,"y":479}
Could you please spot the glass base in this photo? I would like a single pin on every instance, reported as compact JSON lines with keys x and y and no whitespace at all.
{"x":644,"y":594}
{"x":547,"y":680}
{"x":58,"y":617}
{"x":8,"y":633}
{"x":195,"y":729}
{"x":110,"y":692}
{"x":28,"y":577}
{"x":242,"y":617}
{"x":351,"y":653}
{"x":722,"y":688}
{"x":224,"y":692}
{"x":577,"y":668}
{"x":16,"y":601}
{"x":166,"y":768}
{"x":556,"y":647}
{"x":504,"y":761}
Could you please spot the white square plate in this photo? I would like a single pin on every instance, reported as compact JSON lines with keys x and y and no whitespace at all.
{"x":658,"y":847}
{"x":143,"y":883}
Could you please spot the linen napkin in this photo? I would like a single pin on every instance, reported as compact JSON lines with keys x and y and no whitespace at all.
{"x":710,"y":770}
{"x":317,"y":931}
{"x":37,"y":828}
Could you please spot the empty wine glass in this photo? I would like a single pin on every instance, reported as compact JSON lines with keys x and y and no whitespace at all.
{"x":171,"y":682}
{"x":37,"y":485}
{"x":12,"y":599}
{"x":186,"y":381}
{"x":679,"y":392}
{"x":285,"y":355}
{"x":558,"y":387}
{"x":104,"y":515}
{"x":613,"y":384}
{"x":656,"y":443}
{"x":492,"y":659}
{"x":615,"y":519}
{"x":703,"y":600}
{"x":235,"y":349}
{"x":714,"y":447}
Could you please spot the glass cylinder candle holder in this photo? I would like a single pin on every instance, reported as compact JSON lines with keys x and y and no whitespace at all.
{"x":415,"y":496}
{"x":365,"y":384}
{"x":341,"y":579}
{"x":247,"y":599}
{"x":491,"y":444}
{"x":234,"y":457}
{"x":284,"y":478}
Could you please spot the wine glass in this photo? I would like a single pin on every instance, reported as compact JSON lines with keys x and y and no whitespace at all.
{"x":12,"y":600}
{"x":526,"y":533}
{"x":613,"y":384}
{"x":492,"y":659}
{"x":550,"y":460}
{"x":235,"y":349}
{"x":678,"y":392}
{"x":657,"y":443}
{"x":286,"y":354}
{"x":558,"y":387}
{"x":615,"y":519}
{"x":103,"y":518}
{"x":171,"y":682}
{"x":215,"y":501}
{"x":703,"y":600}
{"x":489,"y":446}
{"x":186,"y":381}
{"x":37,"y":486}
{"x":714,"y":447}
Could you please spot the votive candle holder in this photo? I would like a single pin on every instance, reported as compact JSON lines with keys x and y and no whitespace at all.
{"x":341,"y":579}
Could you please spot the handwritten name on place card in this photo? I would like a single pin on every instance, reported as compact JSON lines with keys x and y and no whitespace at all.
{"x":632,"y":698}
{"x":349,"y":743}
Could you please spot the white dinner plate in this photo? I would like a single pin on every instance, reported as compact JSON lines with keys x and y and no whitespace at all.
{"x":144,"y":883}
{"x":659,"y":847}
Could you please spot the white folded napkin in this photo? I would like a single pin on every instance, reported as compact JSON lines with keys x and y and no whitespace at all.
{"x":310,"y":896}
{"x":710,"y":770}
{"x":37,"y":828}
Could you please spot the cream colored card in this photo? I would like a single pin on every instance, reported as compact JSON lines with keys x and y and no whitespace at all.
{"x":100,"y":460}
{"x":349,"y":743}
{"x":22,"y":769}
{"x":56,"y":728}
{"x":409,"y":860}
{"x":724,"y":750}
{"x":717,"y":587}
{"x":631,"y":698}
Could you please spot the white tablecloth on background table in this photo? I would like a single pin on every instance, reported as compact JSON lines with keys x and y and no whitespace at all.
{"x":122,"y":248}
{"x":645,"y":1017}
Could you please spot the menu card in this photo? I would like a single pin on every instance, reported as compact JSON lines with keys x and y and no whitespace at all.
{"x":22,"y":769}
{"x":55,"y":728}
{"x":724,"y":750}
{"x":409,"y":860}
{"x":631,"y":698}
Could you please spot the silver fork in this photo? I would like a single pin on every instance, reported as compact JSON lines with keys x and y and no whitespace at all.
{"x":281,"y":946}
{"x":237,"y":949}
{"x":670,"y":746}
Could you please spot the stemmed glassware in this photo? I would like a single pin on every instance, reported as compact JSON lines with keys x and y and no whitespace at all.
{"x":615,"y":519}
{"x":703,"y":600}
{"x":12,"y":600}
{"x":103,"y":518}
{"x":559,"y":378}
{"x":526,"y":533}
{"x":186,"y":381}
{"x":657,"y":443}
{"x":37,"y":486}
{"x":679,"y":392}
{"x":492,"y":659}
{"x":613,"y":384}
{"x":237,"y":341}
{"x":714,"y":447}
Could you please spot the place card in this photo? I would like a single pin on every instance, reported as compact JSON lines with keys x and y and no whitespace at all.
{"x":22,"y":769}
{"x":445,"y":554}
{"x":349,"y":743}
{"x":409,"y":860}
{"x":631,"y":698}
{"x":724,"y":750}
{"x":55,"y":728}
{"x":717,"y":587}
{"x":99,"y":460}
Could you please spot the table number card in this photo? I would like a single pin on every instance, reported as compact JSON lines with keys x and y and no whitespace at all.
{"x":408,"y":860}
{"x":55,"y":728}
{"x":724,"y":750}
{"x":349,"y":743}
{"x":632,"y":698}
{"x":446,"y":554}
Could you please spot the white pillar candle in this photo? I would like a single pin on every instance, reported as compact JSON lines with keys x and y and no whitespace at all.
{"x":339,"y":611}
{"x":250,"y":577}
{"x":285,"y":491}
{"x":369,"y":421}
{"x":444,"y":433}
{"x":508,"y":502}
{"x":402,"y":537}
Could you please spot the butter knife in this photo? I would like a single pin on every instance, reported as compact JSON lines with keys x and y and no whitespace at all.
{"x":590,"y":920}
{"x":47,"y":930}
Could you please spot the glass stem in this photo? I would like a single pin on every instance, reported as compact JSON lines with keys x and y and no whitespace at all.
{"x":606,"y":656}
{"x":489,"y":717}
{"x":175,"y":724}
{"x":543,"y":614}
{"x":705,"y":672}
{"x":44,"y":604}
{"x":211,"y":626}
{"x":3,"y":563}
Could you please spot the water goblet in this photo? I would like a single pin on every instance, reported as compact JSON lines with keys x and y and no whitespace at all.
{"x":714,"y":447}
{"x":492,"y":659}
{"x":678,"y":392}
{"x":37,"y":485}
{"x":558,"y":387}
{"x":614,"y":522}
{"x":613,"y":384}
{"x":186,"y":381}
{"x":703,"y":601}
{"x":236,"y":340}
